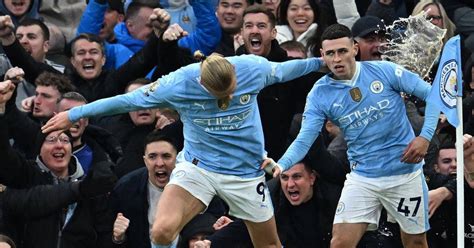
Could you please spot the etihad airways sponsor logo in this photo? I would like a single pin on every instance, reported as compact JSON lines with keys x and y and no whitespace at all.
{"x":362,"y":117}
{"x":229,"y":122}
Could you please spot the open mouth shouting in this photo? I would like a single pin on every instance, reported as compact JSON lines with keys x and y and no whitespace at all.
{"x":294,"y":195}
{"x":161,"y":177}
{"x":255,"y":43}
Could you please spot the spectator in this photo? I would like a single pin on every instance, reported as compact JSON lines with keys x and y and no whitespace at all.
{"x":28,"y":9}
{"x":87,"y":59}
{"x":198,"y":229}
{"x":134,"y":31}
{"x":230,"y":16}
{"x":52,"y":89}
{"x":273,"y":6}
{"x":304,"y":203}
{"x":87,"y":140}
{"x":21,"y":10}
{"x":139,"y":192}
{"x":294,"y":49}
{"x":86,"y":222}
{"x":34,"y":36}
{"x":302,"y":20}
{"x":132,"y":128}
{"x":298,"y":20}
{"x":100,"y":18}
{"x":369,"y":33}
{"x":442,"y":187}
{"x":23,"y":126}
{"x":277,"y":103}
{"x":437,"y":15}
{"x":135,"y":197}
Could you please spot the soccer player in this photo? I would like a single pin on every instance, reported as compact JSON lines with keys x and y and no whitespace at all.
{"x":363,"y":99}
{"x":223,"y":148}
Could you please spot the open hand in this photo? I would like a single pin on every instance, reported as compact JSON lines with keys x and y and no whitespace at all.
{"x":59,"y":121}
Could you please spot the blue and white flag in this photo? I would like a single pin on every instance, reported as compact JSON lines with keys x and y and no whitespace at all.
{"x":447,"y":84}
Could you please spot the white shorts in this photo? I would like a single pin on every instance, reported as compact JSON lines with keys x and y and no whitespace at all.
{"x":248,"y":198}
{"x":405,"y":197}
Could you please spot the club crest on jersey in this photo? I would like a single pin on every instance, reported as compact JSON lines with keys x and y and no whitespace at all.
{"x":244,"y":99}
{"x":448,"y":84}
{"x":376,"y":86}
{"x":152,"y":88}
{"x":356,"y":94}
{"x":340,"y":208}
{"x":223,"y":104}
{"x":179,"y":174}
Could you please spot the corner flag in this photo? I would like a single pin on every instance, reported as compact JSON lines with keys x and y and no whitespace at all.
{"x":447,"y":84}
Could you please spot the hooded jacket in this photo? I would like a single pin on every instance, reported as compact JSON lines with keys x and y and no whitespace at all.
{"x":32,"y":12}
{"x":80,"y":224}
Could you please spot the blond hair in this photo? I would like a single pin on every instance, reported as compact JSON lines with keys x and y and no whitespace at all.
{"x":447,"y":23}
{"x":218,"y":76}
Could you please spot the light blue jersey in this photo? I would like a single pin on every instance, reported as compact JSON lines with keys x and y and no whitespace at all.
{"x":371,"y":113}
{"x":227,"y":141}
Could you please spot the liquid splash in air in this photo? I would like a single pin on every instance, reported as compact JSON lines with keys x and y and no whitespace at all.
{"x":414,"y":43}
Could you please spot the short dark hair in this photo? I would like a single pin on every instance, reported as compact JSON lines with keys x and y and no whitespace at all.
{"x":31,"y":22}
{"x":72,"y":95}
{"x":156,"y":136}
{"x":306,"y":161}
{"x":61,"y":82}
{"x":139,"y":81}
{"x":293,"y":45}
{"x":88,"y":37}
{"x":336,"y":31}
{"x":255,"y":9}
{"x":445,"y":145}
{"x":136,"y":6}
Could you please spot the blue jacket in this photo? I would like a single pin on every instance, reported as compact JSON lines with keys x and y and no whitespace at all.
{"x":125,"y":38}
{"x":207,"y":34}
{"x":91,"y":21}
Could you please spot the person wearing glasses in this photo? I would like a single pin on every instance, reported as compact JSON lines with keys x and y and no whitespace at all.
{"x":66,"y":214}
{"x":436,"y":14}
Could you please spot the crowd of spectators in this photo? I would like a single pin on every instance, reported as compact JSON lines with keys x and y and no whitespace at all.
{"x":98,"y":184}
